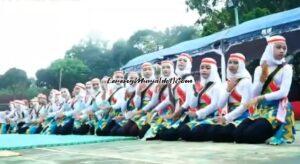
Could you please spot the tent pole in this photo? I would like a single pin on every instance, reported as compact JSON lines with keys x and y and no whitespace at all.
{"x":223,"y":63}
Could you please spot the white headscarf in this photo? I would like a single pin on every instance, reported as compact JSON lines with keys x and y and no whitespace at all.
{"x":268,"y":54}
{"x":67,"y":92}
{"x":214,"y":75}
{"x":131,"y":88}
{"x":242,"y":72}
{"x":52,"y":96}
{"x":115,"y":85}
{"x":11,"y":105}
{"x":82,"y":92}
{"x":172,"y":74}
{"x":90,"y":91}
{"x":188,"y":68}
{"x":152,"y":77}
{"x":57,"y":97}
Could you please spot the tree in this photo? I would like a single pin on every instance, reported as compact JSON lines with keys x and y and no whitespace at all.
{"x":73,"y":71}
{"x":14,"y":78}
{"x":147,"y":40}
{"x":179,"y":34}
{"x":214,"y":16}
{"x":122,"y":52}
{"x":13,"y":83}
{"x":94,"y":54}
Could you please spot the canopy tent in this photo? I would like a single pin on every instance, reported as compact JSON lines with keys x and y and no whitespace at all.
{"x":221,"y":42}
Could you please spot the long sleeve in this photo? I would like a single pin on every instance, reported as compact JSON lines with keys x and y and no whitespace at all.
{"x":189,"y":93}
{"x":194,"y":101}
{"x":27,"y":116}
{"x":285,"y":85}
{"x":162,"y":105}
{"x":213,"y":106}
{"x":78,"y":106}
{"x":14,"y":119}
{"x":43,"y":112}
{"x":223,"y":99}
{"x":2,"y":117}
{"x":53,"y":112}
{"x":120,"y":96}
{"x":69,"y":113}
{"x":10,"y":114}
{"x":257,"y":85}
{"x":246,"y":96}
{"x":137,"y":98}
{"x":152,"y":102}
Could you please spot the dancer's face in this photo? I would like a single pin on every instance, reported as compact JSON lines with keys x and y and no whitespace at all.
{"x":64,"y":93}
{"x":104,"y":83}
{"x":119,"y":77}
{"x":42,"y":100}
{"x":76,"y":90}
{"x":96,"y":86}
{"x":166,"y":69}
{"x":133,"y":77}
{"x":205,"y":70}
{"x":280,"y":49}
{"x":233,"y":65}
{"x":181,"y":63}
{"x":147,"y":71}
{"x":88,"y":86}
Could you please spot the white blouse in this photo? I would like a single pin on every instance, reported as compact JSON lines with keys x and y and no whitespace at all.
{"x":283,"y":79}
{"x":214,"y":93}
{"x":243,"y":88}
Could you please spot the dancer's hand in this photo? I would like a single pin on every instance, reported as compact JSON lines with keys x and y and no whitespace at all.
{"x":119,"y":118}
{"x":231,"y":84}
{"x":141,"y":87}
{"x":168,"y":116}
{"x":41,"y":120}
{"x":192,"y":114}
{"x":254,"y":101}
{"x":264,"y":72}
{"x":222,"y":120}
{"x":60,"y":115}
{"x":77,"y":117}
{"x":129,"y":114}
{"x":158,"y":87}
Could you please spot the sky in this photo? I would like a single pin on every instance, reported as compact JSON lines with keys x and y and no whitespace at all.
{"x":34,"y":33}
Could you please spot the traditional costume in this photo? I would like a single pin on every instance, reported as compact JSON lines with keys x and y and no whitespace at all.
{"x":273,"y":116}
{"x":181,"y":98}
{"x":233,"y":101}
{"x":205,"y":105}
{"x":116,"y":99}
{"x":143,"y":100}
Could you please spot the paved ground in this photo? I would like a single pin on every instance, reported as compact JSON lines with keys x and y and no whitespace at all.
{"x":161,"y":152}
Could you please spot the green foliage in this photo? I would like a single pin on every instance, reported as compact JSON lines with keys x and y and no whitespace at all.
{"x":73,"y":71}
{"x":15,"y":85}
{"x":146,"y":40}
{"x":179,"y":34}
{"x":14,"y":79}
{"x":214,"y":16}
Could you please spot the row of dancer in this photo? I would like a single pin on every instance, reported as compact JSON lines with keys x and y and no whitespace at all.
{"x":239,"y":110}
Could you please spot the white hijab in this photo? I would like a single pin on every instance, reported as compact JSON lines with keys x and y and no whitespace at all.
{"x":93,"y":92}
{"x":131,"y":88}
{"x":188,"y":67}
{"x":114,"y":86}
{"x":268,"y":54}
{"x":172,"y":74}
{"x":82,"y":92}
{"x":214,"y":75}
{"x":68,"y":94}
{"x":152,"y":77}
{"x":242,"y":72}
